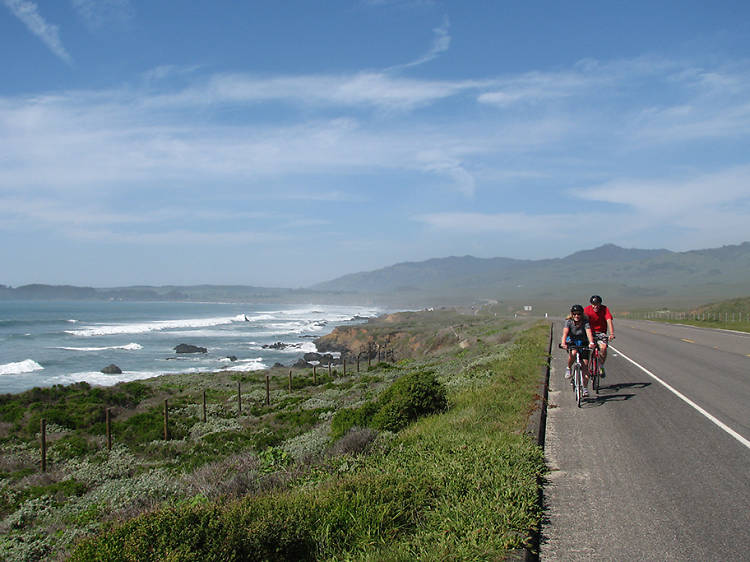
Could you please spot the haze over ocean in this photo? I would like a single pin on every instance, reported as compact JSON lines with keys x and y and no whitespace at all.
{"x":43,"y":343}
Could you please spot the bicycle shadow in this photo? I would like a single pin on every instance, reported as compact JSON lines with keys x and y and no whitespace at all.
{"x":601,"y":399}
{"x":620,"y":385}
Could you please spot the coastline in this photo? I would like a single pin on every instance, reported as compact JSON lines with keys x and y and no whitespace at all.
{"x":50,"y":343}
{"x":238,"y":436}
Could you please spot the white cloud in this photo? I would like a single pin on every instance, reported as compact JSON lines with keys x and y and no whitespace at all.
{"x":176,"y":237}
{"x":536,"y":87}
{"x":679,"y":200}
{"x":99,"y":144}
{"x":694,"y":212}
{"x":28,"y":13}
{"x":99,"y":13}
{"x":439,"y":162}
{"x":362,"y":89}
{"x":440,"y":44}
{"x":85,"y":142}
{"x":536,"y":226}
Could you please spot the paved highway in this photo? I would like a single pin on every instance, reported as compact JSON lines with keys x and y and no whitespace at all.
{"x":657,"y":467}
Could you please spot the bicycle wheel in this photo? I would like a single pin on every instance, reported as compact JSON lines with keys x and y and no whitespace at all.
{"x":578,"y":378}
{"x":594,"y":371}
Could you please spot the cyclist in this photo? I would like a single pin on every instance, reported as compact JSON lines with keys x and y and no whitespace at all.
{"x":600,"y":319}
{"x":577,"y":332}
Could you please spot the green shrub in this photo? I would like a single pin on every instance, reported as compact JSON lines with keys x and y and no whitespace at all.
{"x":410,"y":397}
{"x":58,"y":490}
{"x":147,"y":426}
{"x":346,"y":418}
{"x":11,"y":412}
{"x":301,"y":525}
{"x":72,"y":446}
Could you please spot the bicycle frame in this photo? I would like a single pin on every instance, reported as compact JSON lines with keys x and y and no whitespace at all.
{"x":594,"y":368}
{"x":576,"y":371}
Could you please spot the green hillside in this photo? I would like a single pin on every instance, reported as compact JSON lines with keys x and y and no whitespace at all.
{"x":439,"y":467}
{"x":625,"y":275}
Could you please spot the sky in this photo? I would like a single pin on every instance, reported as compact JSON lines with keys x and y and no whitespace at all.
{"x":285,"y":143}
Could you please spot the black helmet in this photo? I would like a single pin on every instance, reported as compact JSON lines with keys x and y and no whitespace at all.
{"x":576,"y":308}
{"x":595,"y":299}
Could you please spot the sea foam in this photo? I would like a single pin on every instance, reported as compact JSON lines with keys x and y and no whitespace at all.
{"x":27,"y":366}
{"x":145,"y":327}
{"x":127,"y":347}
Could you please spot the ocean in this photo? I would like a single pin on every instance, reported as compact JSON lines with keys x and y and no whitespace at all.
{"x":43,"y":343}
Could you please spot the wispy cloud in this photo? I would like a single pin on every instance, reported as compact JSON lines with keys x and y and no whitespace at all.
{"x":361,"y":89}
{"x":440,"y":44}
{"x":28,"y":13}
{"x":99,"y":13}
{"x":677,"y":199}
{"x":538,"y":226}
{"x":177,"y":237}
{"x":341,"y":133}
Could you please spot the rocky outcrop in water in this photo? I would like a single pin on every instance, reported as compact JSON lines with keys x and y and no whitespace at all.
{"x":281,"y":345}
{"x":187,"y":348}
{"x":112,"y":369}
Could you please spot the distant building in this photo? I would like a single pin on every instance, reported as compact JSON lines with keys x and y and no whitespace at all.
{"x":527,"y":308}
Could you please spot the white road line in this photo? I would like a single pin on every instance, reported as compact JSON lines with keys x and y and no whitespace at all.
{"x":687,"y":400}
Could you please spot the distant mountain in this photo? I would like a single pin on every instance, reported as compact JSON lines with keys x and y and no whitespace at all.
{"x":627,"y":274}
{"x":620,"y":274}
{"x":211,"y":293}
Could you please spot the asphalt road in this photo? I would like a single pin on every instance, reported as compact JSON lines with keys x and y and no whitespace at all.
{"x":638,"y":473}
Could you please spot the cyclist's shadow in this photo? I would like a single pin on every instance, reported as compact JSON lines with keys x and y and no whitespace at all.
{"x":617,"y":396}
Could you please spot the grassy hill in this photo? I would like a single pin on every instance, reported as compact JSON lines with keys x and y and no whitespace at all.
{"x":624,"y":275}
{"x":729,"y":306}
{"x":730,"y":314}
{"x":271,"y":481}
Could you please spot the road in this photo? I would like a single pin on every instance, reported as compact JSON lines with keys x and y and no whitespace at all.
{"x":645,"y":472}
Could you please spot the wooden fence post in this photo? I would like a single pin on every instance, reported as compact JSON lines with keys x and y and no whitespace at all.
{"x":204,"y":406}
{"x":290,"y":380}
{"x":329,"y":368}
{"x":166,"y":421}
{"x":109,"y":429}
{"x":315,"y":375}
{"x":268,"y":390}
{"x":43,"y":435}
{"x":344,"y":367}
{"x":357,"y":363}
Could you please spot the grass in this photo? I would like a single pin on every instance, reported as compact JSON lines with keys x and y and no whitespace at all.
{"x":730,"y":314}
{"x":272,"y":484}
{"x":737,"y":326}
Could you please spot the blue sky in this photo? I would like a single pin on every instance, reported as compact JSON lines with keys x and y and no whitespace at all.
{"x":286,"y":143}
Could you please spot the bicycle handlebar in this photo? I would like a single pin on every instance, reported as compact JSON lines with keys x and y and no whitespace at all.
{"x":579,"y":347}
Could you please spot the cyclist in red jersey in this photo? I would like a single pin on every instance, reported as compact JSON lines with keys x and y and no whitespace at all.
{"x":600,"y":319}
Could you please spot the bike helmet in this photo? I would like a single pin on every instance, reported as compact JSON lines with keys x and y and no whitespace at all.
{"x":595,"y":299}
{"x":576,"y":308}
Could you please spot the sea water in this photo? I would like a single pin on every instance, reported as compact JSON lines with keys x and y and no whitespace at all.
{"x":43,"y":343}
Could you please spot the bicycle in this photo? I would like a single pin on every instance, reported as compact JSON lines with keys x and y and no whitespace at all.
{"x":576,"y":371}
{"x":594,"y":369}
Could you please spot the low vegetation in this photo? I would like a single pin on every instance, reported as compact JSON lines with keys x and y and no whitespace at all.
{"x":730,"y":314}
{"x":422,"y":458}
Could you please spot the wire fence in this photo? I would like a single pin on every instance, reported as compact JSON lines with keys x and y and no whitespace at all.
{"x":378,"y":352}
{"x":727,"y":317}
